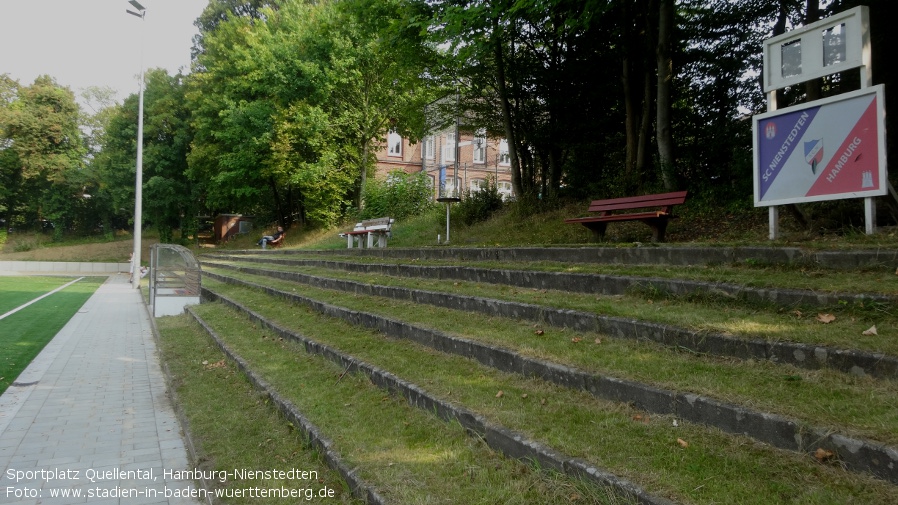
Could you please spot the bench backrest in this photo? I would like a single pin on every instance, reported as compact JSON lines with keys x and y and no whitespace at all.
{"x":381,"y":223}
{"x":638,"y":202}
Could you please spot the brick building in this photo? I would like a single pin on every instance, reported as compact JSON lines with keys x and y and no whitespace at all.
{"x":451,"y":166}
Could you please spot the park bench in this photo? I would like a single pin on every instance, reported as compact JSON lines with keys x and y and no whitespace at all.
{"x":365,"y":232}
{"x":608,"y":211}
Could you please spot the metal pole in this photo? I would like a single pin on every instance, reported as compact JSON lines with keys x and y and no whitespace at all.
{"x":138,"y":179}
{"x":447,"y":221}
{"x":457,"y":152}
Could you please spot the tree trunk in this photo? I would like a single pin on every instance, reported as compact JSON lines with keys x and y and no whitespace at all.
{"x":636,"y":37}
{"x":363,"y":166}
{"x":502,"y":89}
{"x":630,"y":118}
{"x":645,"y":128}
{"x":665,"y":75}
{"x":277,"y":200}
{"x":648,"y":46}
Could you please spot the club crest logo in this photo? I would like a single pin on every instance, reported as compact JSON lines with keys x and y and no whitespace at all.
{"x":813,"y":153}
{"x":770,"y":130}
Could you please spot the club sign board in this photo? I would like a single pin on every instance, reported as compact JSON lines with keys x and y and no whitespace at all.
{"x":825,"y":150}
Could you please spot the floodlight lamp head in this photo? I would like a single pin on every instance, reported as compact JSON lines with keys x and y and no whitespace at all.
{"x":137,"y":5}
{"x":129,"y":11}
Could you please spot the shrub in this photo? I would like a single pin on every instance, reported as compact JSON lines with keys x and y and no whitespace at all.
{"x":400,"y":196}
{"x":479,"y":205}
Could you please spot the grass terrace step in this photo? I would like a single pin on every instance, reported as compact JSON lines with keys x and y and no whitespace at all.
{"x":705,"y":284}
{"x":231,"y":426}
{"x":682,"y":461}
{"x":881,"y":259}
{"x":497,"y":437}
{"x":799,"y":354}
{"x":863,"y":406}
{"x":406,"y":455}
{"x":771,"y":429}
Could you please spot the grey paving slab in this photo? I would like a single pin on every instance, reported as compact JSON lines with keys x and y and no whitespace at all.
{"x":91,"y":414}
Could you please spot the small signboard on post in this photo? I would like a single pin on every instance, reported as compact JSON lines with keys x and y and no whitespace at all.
{"x":837,"y":43}
{"x":827,"y":149}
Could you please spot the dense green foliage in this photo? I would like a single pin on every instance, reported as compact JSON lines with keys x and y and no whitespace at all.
{"x":399,"y":196}
{"x":41,"y":150}
{"x":479,"y":205}
{"x":288,"y":101}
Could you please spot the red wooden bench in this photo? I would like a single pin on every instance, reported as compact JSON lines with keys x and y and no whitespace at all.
{"x":656,"y":219}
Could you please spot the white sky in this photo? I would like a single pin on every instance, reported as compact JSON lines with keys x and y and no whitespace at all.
{"x":84,"y":43}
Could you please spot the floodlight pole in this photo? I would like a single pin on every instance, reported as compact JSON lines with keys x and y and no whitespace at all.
{"x":138,"y":180}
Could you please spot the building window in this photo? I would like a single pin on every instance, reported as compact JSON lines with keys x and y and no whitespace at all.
{"x":448,"y":153}
{"x":450,"y":186}
{"x":479,"y":144}
{"x":428,"y":147}
{"x":477,"y":185}
{"x":394,"y":144}
{"x":505,"y":190}
{"x":504,"y":157}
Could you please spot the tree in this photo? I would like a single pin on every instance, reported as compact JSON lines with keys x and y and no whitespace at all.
{"x":42,"y":134}
{"x":288,"y":107}
{"x":115,"y":166}
{"x":232,"y":121}
{"x":374,"y":71}
{"x":169,"y":200}
{"x":9,"y":160}
{"x":528,"y":72}
{"x":220,"y":11}
{"x":167,"y":137}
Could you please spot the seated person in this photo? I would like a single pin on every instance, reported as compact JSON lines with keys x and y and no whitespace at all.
{"x":272,"y":239}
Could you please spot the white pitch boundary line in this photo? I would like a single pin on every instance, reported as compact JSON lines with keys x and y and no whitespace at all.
{"x":39,"y":298}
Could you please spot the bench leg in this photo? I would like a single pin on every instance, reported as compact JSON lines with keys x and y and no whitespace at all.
{"x":349,"y":241}
{"x":598,"y":230}
{"x":658,"y":228}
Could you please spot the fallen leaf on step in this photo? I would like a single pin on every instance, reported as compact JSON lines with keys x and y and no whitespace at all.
{"x":576,"y":339}
{"x":823,"y":455}
{"x":500,"y":394}
{"x":539,"y":332}
{"x":217,"y":364}
{"x":826,"y":318}
{"x":684,"y":444}
{"x":871,"y":331}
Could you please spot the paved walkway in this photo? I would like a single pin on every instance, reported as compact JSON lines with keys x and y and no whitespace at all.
{"x":90,"y":415}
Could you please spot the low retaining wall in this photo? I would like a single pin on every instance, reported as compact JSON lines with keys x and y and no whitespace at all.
{"x":885,"y":259}
{"x":63,"y":267}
